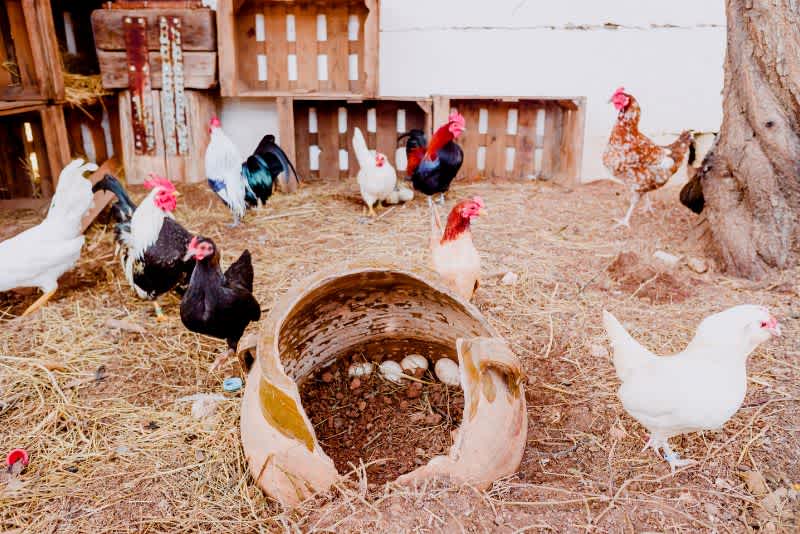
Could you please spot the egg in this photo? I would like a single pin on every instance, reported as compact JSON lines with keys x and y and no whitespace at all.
{"x":391,"y":371}
{"x":361,"y":369}
{"x":447,"y":372}
{"x":412,"y":362}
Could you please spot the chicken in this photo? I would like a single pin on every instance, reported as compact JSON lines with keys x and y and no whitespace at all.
{"x":694,"y":390}
{"x":432,"y":167}
{"x":262,"y":169}
{"x":691,"y":194}
{"x":152,"y":243}
{"x":634,"y":159}
{"x":38,"y":256}
{"x":453,"y":255}
{"x":224,"y":171}
{"x":376,"y":176}
{"x":215,"y":304}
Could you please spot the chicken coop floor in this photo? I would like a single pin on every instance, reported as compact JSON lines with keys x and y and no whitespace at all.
{"x":113,"y":450}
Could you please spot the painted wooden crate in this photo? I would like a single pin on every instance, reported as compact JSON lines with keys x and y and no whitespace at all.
{"x":198,"y":44}
{"x":518,"y":137}
{"x":35,"y":148}
{"x":29,"y":52}
{"x":322,"y":131}
{"x":288,"y":47}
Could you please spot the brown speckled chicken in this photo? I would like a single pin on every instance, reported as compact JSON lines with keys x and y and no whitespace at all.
{"x":634,"y":159}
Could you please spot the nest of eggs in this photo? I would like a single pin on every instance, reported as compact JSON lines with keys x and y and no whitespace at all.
{"x":390,"y":416}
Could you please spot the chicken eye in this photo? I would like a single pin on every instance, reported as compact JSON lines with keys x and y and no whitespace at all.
{"x":763,"y":324}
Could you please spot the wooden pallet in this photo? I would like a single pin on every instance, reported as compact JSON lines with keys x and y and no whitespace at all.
{"x":518,"y":137}
{"x":325,"y":127}
{"x":29,"y":51}
{"x":31,"y":133}
{"x":199,"y":45}
{"x":288,"y":47}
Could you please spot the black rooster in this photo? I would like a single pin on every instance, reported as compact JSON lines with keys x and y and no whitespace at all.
{"x":261,"y":170}
{"x":152,"y":244}
{"x":432,"y":167}
{"x":216,"y":304}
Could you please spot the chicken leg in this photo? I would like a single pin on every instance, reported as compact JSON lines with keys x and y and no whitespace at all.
{"x":673,"y":459}
{"x":221,"y":359}
{"x":158,"y":311}
{"x":626,"y":221}
{"x":648,"y":204}
{"x":41,"y":301}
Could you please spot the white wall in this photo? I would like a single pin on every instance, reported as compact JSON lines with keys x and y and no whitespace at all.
{"x":668,"y":54}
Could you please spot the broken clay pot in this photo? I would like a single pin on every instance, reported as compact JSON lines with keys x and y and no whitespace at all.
{"x":384,"y":312}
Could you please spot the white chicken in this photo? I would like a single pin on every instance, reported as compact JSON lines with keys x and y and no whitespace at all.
{"x":453,"y":254}
{"x":40,"y":255}
{"x":376,"y":176}
{"x":694,"y":390}
{"x":224,"y":170}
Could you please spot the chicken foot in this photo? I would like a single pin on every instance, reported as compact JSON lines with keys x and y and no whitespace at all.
{"x":158,"y":311}
{"x":648,"y":204}
{"x":673,"y":458}
{"x":41,"y":301}
{"x":626,"y":221}
{"x":221,"y":359}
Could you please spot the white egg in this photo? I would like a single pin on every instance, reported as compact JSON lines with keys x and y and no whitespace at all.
{"x":392,"y":371}
{"x":361,"y":369}
{"x":413,"y":362}
{"x":447,"y":372}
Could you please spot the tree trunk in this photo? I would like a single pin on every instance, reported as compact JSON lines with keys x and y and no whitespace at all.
{"x":751,"y":177}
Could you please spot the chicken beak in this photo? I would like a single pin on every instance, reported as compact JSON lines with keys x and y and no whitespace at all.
{"x":483,"y":213}
{"x":176,"y":194}
{"x":189,"y":254}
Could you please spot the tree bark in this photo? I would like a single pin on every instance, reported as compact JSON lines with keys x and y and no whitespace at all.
{"x":751,"y":177}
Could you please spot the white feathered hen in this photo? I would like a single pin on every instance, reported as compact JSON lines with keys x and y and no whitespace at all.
{"x":697,"y":389}
{"x":40,"y":255}
{"x":376,"y":176}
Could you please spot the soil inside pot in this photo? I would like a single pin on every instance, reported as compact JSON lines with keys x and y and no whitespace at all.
{"x":392,"y":428}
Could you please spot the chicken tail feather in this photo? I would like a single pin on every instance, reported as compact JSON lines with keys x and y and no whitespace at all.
{"x":629,"y":354}
{"x":124,"y":207}
{"x":360,"y":148}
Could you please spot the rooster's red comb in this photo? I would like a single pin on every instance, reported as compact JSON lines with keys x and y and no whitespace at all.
{"x":619,"y":90}
{"x":479,"y":201}
{"x":457,"y":118}
{"x":158,"y":181}
{"x":214,"y":122}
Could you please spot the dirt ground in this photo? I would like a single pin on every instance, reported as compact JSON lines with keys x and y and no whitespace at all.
{"x":114,"y":450}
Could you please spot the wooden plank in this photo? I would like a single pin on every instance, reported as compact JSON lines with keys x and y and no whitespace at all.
{"x":328,"y":121}
{"x":356,"y":117}
{"x":286,"y":139}
{"x":277,"y":48}
{"x":305,"y":49}
{"x":571,"y":151}
{"x":356,"y":48}
{"x":469,"y":140}
{"x":371,"y":51}
{"x":190,"y":168}
{"x":22,"y":45}
{"x":101,"y":198}
{"x":248,"y":49}
{"x":496,"y":140}
{"x":337,"y":50}
{"x":199,"y":31}
{"x":200,"y":69}
{"x":441,"y":110}
{"x":525,"y":140}
{"x":15,"y":107}
{"x":226,"y":46}
{"x":552,"y":141}
{"x":302,"y":138}
{"x":138,"y":166}
{"x":386,"y":123}
{"x":57,"y":142}
{"x":50,"y":70}
{"x":24,"y":204}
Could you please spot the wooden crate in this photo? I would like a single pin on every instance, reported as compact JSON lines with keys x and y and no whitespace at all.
{"x":198,"y":42}
{"x":325,"y":127}
{"x":93,"y":131}
{"x":298,"y":47}
{"x":518,"y":137}
{"x":29,"y":52}
{"x":32,"y":137}
{"x":200,"y":107}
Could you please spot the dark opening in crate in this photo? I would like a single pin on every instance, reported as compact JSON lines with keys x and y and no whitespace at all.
{"x":280,"y":47}
{"x":519,"y":138}
{"x":24,"y":167}
{"x":30,"y":65}
{"x":323,"y":133}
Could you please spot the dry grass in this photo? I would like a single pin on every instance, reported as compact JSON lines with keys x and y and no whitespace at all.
{"x":112,"y":451}
{"x":83,"y":90}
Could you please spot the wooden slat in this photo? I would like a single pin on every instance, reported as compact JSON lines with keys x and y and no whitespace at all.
{"x":496,"y":142}
{"x":469,"y":140}
{"x":277,"y":47}
{"x":22,"y":45}
{"x":525,"y":140}
{"x":306,"y":50}
{"x":249,"y":48}
{"x":228,"y":75}
{"x":57,"y":141}
{"x":356,"y":116}
{"x":386,"y":138}
{"x":552,"y":141}
{"x":328,"y":122}
{"x":200,"y":69}
{"x":137,"y":166}
{"x":198,"y":29}
{"x":337,"y":46}
{"x":571,"y":151}
{"x":302,"y":139}
{"x":371,"y":52}
{"x":286,"y":139}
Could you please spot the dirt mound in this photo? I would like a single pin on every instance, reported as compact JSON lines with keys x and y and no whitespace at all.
{"x":646,"y":281}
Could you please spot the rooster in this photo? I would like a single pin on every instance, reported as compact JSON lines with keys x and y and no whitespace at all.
{"x":151,"y":241}
{"x":38,"y":256}
{"x":216,"y":304}
{"x":691,"y":194}
{"x":432,"y":167}
{"x":694,"y":390}
{"x":238,"y":184}
{"x":262,"y":169}
{"x":376,"y":176}
{"x":634,"y":159}
{"x":453,"y":255}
